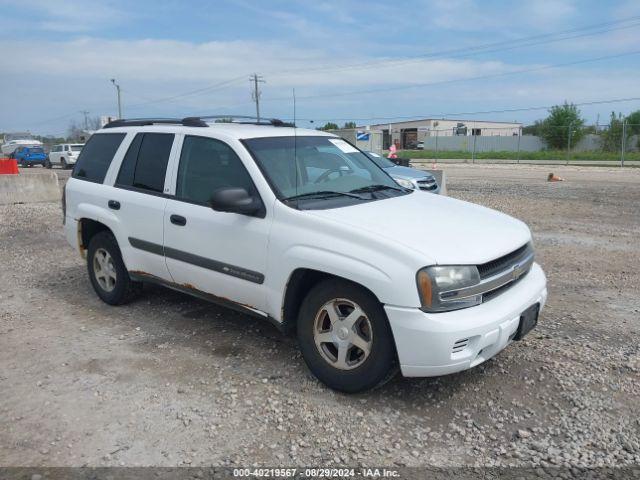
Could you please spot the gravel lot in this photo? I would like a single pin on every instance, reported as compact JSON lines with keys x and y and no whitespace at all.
{"x":170,"y":380}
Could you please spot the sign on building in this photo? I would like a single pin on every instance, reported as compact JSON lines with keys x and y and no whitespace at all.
{"x":362,"y":136}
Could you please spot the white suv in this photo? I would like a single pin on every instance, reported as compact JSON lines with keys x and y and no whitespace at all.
{"x":302,"y":229}
{"x":64,"y":155}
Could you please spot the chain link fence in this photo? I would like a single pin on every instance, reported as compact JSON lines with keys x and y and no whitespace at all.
{"x":611,"y":144}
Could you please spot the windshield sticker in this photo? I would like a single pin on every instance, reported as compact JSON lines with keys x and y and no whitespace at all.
{"x":343,"y":146}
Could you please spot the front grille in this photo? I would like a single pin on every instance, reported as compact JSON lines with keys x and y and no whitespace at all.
{"x":501,"y":264}
{"x":429,"y":184}
{"x":494,"y":293}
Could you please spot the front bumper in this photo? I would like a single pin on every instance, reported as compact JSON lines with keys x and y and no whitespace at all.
{"x":431,"y":344}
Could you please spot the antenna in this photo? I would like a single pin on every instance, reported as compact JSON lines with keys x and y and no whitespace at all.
{"x":295,"y":139}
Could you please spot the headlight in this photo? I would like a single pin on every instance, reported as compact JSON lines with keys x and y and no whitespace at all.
{"x":439,"y":287}
{"x":405,"y":183}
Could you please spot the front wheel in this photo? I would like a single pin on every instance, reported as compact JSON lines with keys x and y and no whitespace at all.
{"x":345,"y":337}
{"x":107,"y":271}
{"x":64,"y":164}
{"x":47,"y":163}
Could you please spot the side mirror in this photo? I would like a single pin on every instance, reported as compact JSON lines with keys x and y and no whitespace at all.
{"x":236,"y":200}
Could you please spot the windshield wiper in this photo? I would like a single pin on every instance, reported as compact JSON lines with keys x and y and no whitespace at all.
{"x":324,"y":194}
{"x":377,"y":188}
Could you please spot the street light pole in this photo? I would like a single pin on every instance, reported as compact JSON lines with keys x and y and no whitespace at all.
{"x":113,"y":80}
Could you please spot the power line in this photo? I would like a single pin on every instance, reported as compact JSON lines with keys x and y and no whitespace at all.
{"x":457,"y":80}
{"x":480,"y":49}
{"x":210,"y":88}
{"x":442,"y":115}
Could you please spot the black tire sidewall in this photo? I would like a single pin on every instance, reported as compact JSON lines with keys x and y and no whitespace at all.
{"x":107,"y":241}
{"x":377,"y":368}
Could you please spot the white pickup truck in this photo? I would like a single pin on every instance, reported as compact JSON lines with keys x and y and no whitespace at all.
{"x":302,"y":229}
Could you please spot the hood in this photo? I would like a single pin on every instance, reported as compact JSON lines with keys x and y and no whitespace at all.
{"x":441,"y":229}
{"x":407,"y":172}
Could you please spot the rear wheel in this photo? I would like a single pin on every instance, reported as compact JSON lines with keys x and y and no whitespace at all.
{"x":63,"y":162}
{"x":47,"y":163}
{"x":107,"y":271}
{"x":345,"y":337}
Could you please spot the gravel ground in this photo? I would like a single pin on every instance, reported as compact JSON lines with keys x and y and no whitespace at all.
{"x":170,"y":380}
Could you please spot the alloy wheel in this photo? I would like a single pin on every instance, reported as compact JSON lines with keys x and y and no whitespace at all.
{"x":104,"y":270}
{"x":343,"y":334}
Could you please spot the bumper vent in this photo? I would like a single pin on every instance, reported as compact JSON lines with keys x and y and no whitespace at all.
{"x":460,"y":345}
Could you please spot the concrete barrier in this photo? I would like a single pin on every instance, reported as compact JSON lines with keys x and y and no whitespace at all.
{"x":29,"y":188}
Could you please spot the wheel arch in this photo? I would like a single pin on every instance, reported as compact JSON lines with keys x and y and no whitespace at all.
{"x":89,"y":228}
{"x":300,"y":282}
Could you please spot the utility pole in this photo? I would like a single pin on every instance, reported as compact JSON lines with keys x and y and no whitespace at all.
{"x":113,"y":80}
{"x":569,"y":142}
{"x":255,"y":95}
{"x":624,"y":142}
{"x":86,"y":121}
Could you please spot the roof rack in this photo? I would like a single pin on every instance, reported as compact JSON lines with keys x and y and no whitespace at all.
{"x":246,"y":120}
{"x":140,"y":122}
{"x":199,"y":121}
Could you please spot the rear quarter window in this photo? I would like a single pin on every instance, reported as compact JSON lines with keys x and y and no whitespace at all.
{"x":96,"y":156}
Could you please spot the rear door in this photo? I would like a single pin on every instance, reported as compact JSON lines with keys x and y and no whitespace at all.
{"x":138,"y":200}
{"x":54,"y":156}
{"x":223,"y":254}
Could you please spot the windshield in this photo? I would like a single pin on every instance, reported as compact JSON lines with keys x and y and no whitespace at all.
{"x":315,"y":168}
{"x":76,"y":148}
{"x":379,"y":160}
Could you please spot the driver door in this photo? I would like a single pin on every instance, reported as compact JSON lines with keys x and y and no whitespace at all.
{"x":219,"y":253}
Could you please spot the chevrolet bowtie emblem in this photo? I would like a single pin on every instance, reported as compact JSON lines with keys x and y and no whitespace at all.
{"x":517,"y":271}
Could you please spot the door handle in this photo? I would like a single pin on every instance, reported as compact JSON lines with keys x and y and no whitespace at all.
{"x":114,"y":205}
{"x":178,"y":220}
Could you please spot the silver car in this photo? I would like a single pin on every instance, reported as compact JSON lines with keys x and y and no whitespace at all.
{"x":406,"y":176}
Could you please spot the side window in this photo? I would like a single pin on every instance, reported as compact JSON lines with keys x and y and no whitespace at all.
{"x":145,"y":164}
{"x":206,"y":165}
{"x":96,"y":156}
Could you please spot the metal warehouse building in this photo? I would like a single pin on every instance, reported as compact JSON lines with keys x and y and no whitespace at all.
{"x":406,"y":135}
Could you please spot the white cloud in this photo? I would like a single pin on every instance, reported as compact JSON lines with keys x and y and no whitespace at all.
{"x":67,"y":76}
{"x":67,"y":15}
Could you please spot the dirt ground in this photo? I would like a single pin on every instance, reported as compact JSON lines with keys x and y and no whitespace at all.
{"x":170,"y":380}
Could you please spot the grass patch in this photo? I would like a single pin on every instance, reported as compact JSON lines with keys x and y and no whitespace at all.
{"x":502,"y":155}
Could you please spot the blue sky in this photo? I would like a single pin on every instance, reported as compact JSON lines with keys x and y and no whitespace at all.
{"x":345,"y":59}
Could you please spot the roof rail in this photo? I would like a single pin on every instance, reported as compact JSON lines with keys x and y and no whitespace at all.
{"x":140,"y":122}
{"x":246,"y":119}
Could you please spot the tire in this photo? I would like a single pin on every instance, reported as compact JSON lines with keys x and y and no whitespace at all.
{"x":358,"y":370}
{"x":116,"y":291}
{"x":63,"y":163}
{"x":47,"y":164}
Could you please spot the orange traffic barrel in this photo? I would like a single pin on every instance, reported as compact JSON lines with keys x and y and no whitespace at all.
{"x":8,"y":166}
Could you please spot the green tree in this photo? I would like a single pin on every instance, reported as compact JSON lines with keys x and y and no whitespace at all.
{"x":349,"y":125}
{"x":633,"y":122}
{"x":532,"y":129}
{"x":612,"y":136}
{"x":563,"y":120}
{"x":329,"y":126}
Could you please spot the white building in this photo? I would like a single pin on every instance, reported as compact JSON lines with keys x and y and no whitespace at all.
{"x":407,"y":134}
